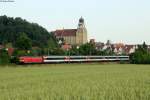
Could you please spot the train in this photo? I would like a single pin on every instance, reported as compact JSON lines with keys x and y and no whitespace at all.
{"x":71,"y":59}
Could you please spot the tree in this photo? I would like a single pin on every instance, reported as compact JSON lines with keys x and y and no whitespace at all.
{"x":144,"y":46}
{"x":87,"y":49}
{"x":4,"y":57}
{"x":10,"y":29}
{"x":23,"y":42}
{"x":141,"y":55}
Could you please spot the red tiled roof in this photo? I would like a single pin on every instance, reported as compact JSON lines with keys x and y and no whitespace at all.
{"x":127,"y":48}
{"x":66,"y":47}
{"x":118,"y":45}
{"x":65,"y":32}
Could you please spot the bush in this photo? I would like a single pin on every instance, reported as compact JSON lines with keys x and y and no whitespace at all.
{"x":141,"y":55}
{"x":4,"y":57}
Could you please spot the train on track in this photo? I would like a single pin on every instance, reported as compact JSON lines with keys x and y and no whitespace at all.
{"x":71,"y":59}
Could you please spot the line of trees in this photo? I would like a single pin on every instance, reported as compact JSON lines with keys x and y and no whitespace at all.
{"x":141,"y":55}
{"x":11,"y":29}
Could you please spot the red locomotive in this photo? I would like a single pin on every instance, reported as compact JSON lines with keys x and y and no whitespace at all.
{"x":30,"y":60}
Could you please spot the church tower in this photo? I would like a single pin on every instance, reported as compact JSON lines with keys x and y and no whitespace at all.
{"x":81,"y":35}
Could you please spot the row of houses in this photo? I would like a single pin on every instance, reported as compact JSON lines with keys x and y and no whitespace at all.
{"x":118,"y":48}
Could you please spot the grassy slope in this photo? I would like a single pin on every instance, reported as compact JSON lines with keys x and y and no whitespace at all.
{"x":75,"y":82}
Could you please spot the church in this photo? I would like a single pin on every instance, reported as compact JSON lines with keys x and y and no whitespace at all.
{"x":73,"y":36}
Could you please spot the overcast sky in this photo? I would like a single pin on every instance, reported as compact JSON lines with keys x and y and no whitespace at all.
{"x":126,"y":21}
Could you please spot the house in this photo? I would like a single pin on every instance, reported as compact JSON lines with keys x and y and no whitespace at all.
{"x":118,"y":48}
{"x":99,"y":46}
{"x":130,"y":49}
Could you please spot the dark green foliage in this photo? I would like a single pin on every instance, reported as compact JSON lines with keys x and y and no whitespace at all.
{"x":14,"y":60}
{"x":87,"y":49}
{"x":74,"y":51}
{"x":141,"y":55}
{"x":56,"y":51}
{"x":11,"y":28}
{"x":36,"y":52}
{"x":23,"y":42}
{"x":18,"y":53}
{"x":4,"y":57}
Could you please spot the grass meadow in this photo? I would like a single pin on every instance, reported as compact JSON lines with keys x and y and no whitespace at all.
{"x":75,"y":82}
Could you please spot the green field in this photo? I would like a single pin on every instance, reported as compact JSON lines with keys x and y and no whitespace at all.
{"x":75,"y":82}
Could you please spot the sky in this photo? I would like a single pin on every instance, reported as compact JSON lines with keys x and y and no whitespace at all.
{"x":121,"y":21}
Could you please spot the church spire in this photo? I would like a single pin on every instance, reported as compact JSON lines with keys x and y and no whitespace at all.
{"x":81,"y":23}
{"x":81,"y":20}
